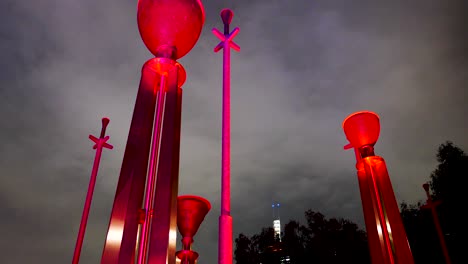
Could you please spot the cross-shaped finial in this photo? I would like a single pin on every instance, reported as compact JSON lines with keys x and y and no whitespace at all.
{"x":226,"y":16}
{"x":102,"y":138}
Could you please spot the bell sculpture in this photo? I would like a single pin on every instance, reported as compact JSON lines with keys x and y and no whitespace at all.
{"x":386,"y":234}
{"x":142,"y":224}
{"x":191,"y":211}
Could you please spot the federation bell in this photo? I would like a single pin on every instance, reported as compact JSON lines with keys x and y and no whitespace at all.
{"x":170,"y":28}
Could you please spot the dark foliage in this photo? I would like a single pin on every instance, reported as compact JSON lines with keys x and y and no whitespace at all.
{"x":448,"y":183}
{"x":421,"y":234}
{"x":321,"y":240}
{"x":333,"y":240}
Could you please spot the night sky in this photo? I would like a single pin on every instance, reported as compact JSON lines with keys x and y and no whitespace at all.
{"x":303,"y":67}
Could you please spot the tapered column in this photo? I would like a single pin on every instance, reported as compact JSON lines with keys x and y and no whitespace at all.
{"x":386,"y":234}
{"x":376,"y":240}
{"x":169,"y":29}
{"x":123,"y":225}
{"x":163,"y":233}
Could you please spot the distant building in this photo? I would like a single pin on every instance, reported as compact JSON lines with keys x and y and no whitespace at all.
{"x":277,"y":228}
{"x":277,"y":250}
{"x":276,"y":220}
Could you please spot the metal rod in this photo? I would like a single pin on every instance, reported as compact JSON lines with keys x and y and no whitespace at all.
{"x":142,"y":252}
{"x":225,"y":219}
{"x":100,"y":143}
{"x":226,"y":131}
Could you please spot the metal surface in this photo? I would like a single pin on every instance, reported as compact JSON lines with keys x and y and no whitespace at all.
{"x":170,"y":23}
{"x":150,"y":184}
{"x":100,"y":143}
{"x":187,"y":256}
{"x":123,"y":226}
{"x":191,"y":211}
{"x":163,"y":231}
{"x":386,"y":234}
{"x":225,"y":219}
{"x":169,"y":28}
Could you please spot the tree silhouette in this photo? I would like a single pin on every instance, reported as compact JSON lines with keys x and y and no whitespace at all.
{"x":295,"y":242}
{"x":321,"y":240}
{"x":243,"y":252}
{"x":448,"y":182}
{"x":421,"y":234}
{"x":335,"y":240}
{"x":331,"y":241}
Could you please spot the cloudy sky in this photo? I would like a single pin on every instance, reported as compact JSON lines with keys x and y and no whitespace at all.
{"x":304,"y":66}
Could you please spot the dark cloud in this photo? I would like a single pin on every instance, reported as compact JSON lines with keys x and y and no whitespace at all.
{"x":304,"y":66}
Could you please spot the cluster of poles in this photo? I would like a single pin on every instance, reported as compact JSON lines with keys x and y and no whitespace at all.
{"x":151,"y":156}
{"x":147,"y":209}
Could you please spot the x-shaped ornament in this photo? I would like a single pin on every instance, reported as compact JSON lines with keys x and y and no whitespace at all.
{"x":226,"y":39}
{"x":102,"y":141}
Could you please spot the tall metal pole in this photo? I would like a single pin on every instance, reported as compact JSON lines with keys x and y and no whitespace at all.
{"x":225,"y":219}
{"x":148,"y":205}
{"x":432,"y":205}
{"x":100,"y":143}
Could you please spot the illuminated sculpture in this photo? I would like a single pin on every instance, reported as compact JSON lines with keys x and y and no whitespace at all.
{"x":191,"y":210}
{"x":225,"y":219}
{"x":385,"y":231}
{"x":169,"y":29}
{"x":100,"y":143}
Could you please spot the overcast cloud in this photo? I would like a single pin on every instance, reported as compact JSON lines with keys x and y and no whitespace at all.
{"x":304,"y":66}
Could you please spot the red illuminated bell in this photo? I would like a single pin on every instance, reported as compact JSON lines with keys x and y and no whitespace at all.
{"x":187,"y":256}
{"x":362,"y":128}
{"x":191,"y":210}
{"x":169,"y":24}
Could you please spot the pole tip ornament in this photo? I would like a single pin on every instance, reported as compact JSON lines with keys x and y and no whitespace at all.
{"x":226,"y":16}
{"x":105,"y":122}
{"x":426,"y":187}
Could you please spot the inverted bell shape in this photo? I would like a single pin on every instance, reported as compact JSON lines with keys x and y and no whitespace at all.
{"x":362,"y":128}
{"x":191,"y":210}
{"x":170,"y":23}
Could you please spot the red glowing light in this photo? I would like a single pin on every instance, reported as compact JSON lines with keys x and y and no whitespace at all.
{"x":191,"y":210}
{"x":387,"y":239}
{"x":362,"y":128}
{"x":169,"y":29}
{"x":163,"y":66}
{"x":170,"y":23}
